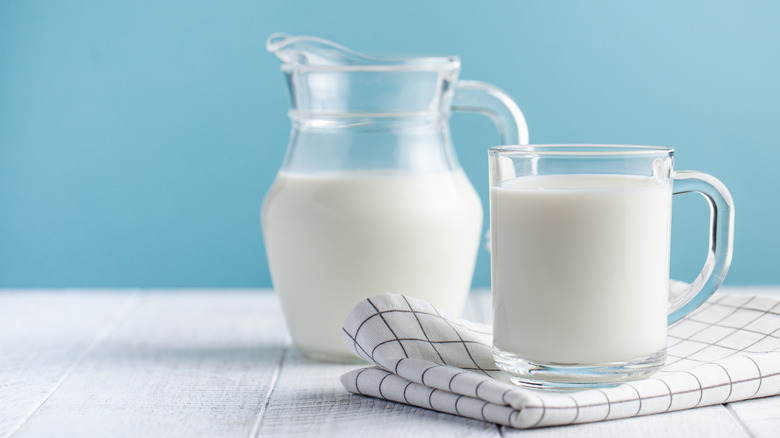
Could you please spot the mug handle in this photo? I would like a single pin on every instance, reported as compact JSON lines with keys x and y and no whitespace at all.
{"x":491,"y":101}
{"x":721,"y":241}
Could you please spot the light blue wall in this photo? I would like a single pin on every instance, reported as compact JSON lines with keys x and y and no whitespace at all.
{"x":137,"y":138}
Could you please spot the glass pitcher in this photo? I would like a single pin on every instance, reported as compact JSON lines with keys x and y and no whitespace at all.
{"x":370,"y":197}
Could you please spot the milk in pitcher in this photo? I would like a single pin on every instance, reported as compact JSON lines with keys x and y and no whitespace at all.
{"x":336,"y":238}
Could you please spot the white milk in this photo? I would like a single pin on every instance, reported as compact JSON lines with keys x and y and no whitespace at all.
{"x":335,"y":239}
{"x":580,"y":267}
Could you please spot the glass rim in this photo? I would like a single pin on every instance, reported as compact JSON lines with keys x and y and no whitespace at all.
{"x":578,"y":150}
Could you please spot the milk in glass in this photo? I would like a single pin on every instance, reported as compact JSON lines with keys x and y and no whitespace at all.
{"x":580,"y":267}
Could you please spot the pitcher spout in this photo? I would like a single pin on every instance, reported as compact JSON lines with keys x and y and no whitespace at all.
{"x":309,"y":50}
{"x":304,"y":50}
{"x":328,"y":78}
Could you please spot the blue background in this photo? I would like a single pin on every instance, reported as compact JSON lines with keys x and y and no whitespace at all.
{"x":137,"y":139}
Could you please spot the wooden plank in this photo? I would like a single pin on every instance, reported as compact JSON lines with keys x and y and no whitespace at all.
{"x":208,"y":363}
{"x":43,"y":336}
{"x":760,"y":416}
{"x":185,"y":363}
{"x":309,"y":401}
{"x":710,"y":422}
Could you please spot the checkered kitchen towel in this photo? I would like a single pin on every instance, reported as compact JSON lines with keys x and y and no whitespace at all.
{"x":727,"y":350}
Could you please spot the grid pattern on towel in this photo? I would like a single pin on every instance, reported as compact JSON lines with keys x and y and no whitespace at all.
{"x":727,"y":350}
{"x":725,"y":326}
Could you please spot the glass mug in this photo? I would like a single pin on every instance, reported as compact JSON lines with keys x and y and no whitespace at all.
{"x":580,"y":238}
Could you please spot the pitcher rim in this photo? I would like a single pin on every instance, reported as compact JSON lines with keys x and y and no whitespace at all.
{"x":277,"y":42}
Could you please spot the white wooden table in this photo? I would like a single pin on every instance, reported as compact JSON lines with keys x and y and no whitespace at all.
{"x":220,"y":363}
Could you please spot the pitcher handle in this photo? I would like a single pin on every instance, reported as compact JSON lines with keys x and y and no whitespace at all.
{"x":491,"y":101}
{"x":721,"y":241}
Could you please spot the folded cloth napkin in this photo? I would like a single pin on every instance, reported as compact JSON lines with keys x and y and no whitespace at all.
{"x":727,"y":350}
